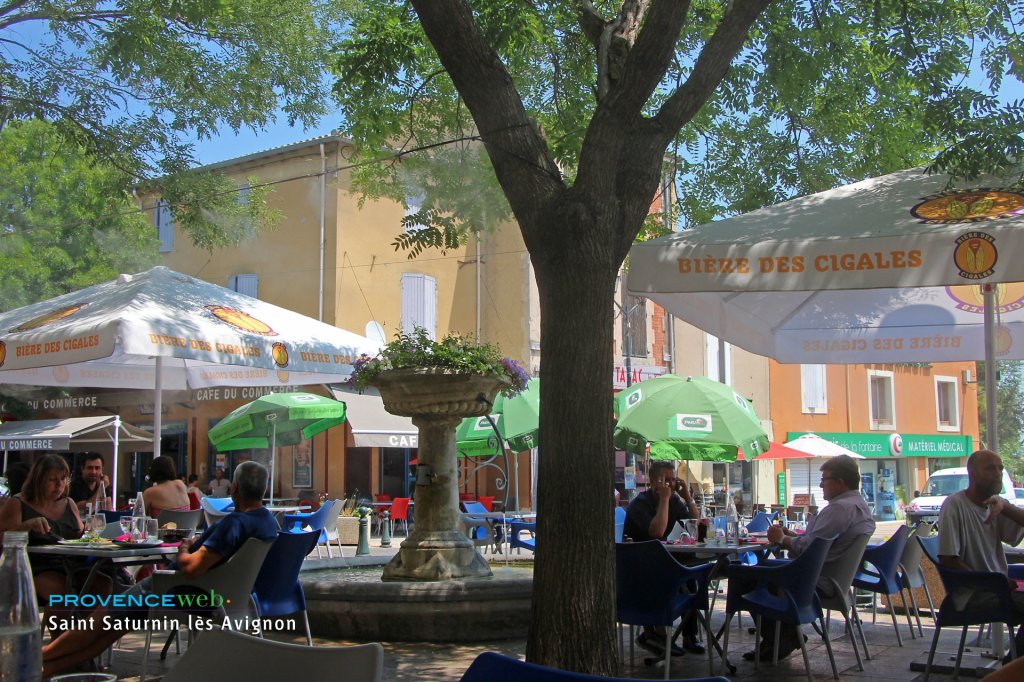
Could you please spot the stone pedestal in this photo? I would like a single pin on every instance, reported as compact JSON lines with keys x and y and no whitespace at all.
{"x":436,"y":400}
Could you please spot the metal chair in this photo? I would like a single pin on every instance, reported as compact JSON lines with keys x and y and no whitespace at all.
{"x":784,"y":593}
{"x":652,"y":588}
{"x":881,"y":576}
{"x":492,"y":667}
{"x":964,"y":615}
{"x":277,"y":591}
{"x":263,"y":660}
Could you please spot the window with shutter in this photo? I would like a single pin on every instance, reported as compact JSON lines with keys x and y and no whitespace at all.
{"x":419,"y":303}
{"x":812,"y":389}
{"x":881,"y":401}
{"x":247,"y":284}
{"x":164,"y":226}
{"x":947,"y":404}
{"x":711,"y":354}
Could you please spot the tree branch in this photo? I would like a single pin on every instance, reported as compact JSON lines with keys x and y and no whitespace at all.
{"x":650,"y":57}
{"x":591,"y":23}
{"x":711,"y":66}
{"x":520,"y":156}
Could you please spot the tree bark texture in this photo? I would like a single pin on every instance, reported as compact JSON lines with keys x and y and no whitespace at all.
{"x":578,"y":237}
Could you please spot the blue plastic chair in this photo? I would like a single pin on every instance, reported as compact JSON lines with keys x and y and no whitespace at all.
{"x":652,"y":588}
{"x":620,"y":523}
{"x":277,"y":591}
{"x":949,"y":613}
{"x":492,"y":667}
{"x":515,"y":539}
{"x":761,"y":522}
{"x":785,"y":593}
{"x":295,"y":523}
{"x":882,"y":576}
{"x":219,"y":503}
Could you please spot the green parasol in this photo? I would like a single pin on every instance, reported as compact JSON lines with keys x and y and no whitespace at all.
{"x":691,"y":418}
{"x":517,"y":419}
{"x":274,"y":420}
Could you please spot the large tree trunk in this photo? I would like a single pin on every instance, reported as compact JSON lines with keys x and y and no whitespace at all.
{"x":574,"y":585}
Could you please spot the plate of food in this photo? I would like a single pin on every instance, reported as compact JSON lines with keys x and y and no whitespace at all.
{"x":86,"y":541}
{"x":136,"y":545}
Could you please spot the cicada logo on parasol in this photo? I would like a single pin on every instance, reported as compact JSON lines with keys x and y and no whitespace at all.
{"x":49,"y":317}
{"x":693,"y":422}
{"x":975,"y":255}
{"x":971,"y":206}
{"x":240,"y":320}
{"x":634,"y":398}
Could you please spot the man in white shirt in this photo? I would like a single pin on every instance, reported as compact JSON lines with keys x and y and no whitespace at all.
{"x":974,"y":524}
{"x":219,"y":485}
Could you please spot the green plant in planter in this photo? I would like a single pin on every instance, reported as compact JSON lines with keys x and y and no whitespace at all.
{"x":454,"y":352}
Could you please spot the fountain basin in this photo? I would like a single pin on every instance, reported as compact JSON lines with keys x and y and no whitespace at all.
{"x":355,"y":604}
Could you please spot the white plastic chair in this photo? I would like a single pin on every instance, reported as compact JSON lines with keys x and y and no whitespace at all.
{"x":223,"y":654}
{"x":331,"y":530}
{"x":233,"y":580}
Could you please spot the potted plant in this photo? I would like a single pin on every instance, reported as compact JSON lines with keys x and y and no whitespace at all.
{"x":417,"y":375}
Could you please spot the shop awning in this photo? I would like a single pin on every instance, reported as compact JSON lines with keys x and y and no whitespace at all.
{"x":74,"y":433}
{"x":372,"y":425}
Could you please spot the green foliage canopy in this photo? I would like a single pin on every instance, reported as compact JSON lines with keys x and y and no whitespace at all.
{"x":66,"y":222}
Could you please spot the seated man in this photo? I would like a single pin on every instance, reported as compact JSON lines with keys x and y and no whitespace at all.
{"x":974,"y":523}
{"x":249,"y":520}
{"x":651,"y":515}
{"x":846,"y":518}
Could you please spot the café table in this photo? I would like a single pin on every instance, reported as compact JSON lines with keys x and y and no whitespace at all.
{"x":108,"y":556}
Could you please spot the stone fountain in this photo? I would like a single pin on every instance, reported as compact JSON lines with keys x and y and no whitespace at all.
{"x":437,"y":399}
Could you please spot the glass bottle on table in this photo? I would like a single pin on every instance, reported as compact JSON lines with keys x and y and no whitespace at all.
{"x":21,"y":657}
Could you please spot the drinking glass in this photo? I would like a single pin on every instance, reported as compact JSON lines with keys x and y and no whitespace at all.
{"x":98,"y":523}
{"x":152,"y":530}
{"x":126,"y":525}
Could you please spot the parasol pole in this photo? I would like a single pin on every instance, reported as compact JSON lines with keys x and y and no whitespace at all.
{"x":273,"y":457}
{"x":158,"y":405}
{"x":113,"y":474}
{"x":989,"y":298}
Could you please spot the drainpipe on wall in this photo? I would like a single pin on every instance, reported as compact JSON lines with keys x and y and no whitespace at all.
{"x":478,"y":295}
{"x":323,"y":211}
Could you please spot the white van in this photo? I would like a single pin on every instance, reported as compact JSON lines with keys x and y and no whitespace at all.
{"x":941,"y":484}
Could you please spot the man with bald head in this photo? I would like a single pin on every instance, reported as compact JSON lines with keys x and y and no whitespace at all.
{"x":974,"y":523}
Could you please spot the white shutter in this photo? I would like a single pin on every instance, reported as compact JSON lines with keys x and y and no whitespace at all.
{"x":813,"y":389}
{"x":164,"y":226}
{"x":711,"y":353}
{"x":419,"y":303}
{"x":797,"y":477}
{"x":247,"y":284}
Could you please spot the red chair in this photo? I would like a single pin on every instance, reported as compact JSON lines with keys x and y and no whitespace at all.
{"x":466,"y":497}
{"x":378,"y":512}
{"x":400,"y":511}
{"x":193,"y":502}
{"x":487,"y":501}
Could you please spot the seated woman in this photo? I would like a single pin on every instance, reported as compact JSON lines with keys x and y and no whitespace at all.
{"x":167,"y":492}
{"x":44,"y":509}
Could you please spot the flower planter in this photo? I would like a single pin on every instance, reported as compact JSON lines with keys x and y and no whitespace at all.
{"x":348,"y":530}
{"x":437,"y":391}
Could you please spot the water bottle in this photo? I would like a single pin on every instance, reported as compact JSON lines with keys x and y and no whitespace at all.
{"x":138,"y":519}
{"x":732,"y":522}
{"x":101,"y":501}
{"x":21,"y":653}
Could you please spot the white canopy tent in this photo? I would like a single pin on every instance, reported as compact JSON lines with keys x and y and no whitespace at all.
{"x":99,"y":434}
{"x":900,"y":268}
